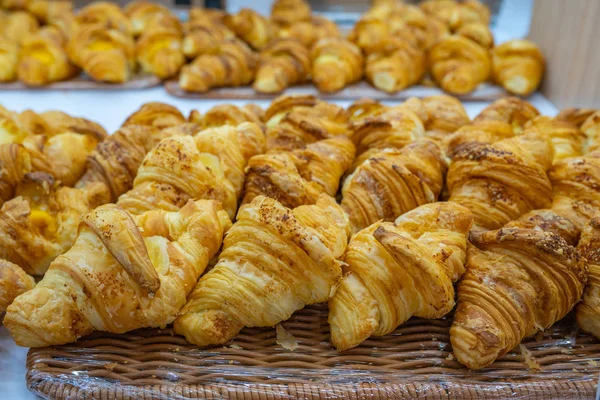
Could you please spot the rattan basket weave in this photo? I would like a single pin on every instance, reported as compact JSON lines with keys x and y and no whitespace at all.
{"x":413,"y":362}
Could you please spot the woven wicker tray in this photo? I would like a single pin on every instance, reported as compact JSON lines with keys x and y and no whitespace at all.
{"x":84,"y":82}
{"x":485,"y":92}
{"x":413,"y":362}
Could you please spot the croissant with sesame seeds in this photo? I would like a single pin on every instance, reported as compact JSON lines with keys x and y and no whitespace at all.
{"x":396,"y":270}
{"x":274,"y":261}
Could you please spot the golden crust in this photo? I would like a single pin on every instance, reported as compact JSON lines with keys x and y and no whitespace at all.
{"x":9,"y":60}
{"x":286,"y":12}
{"x":398,"y":65}
{"x":203,"y":37}
{"x":105,"y":15}
{"x":155,"y":114}
{"x":336,"y":63}
{"x":13,"y":282}
{"x":518,"y":65}
{"x":253,"y":28}
{"x":18,"y":25}
{"x":159,"y":51}
{"x":567,"y":139}
{"x":511,"y":110}
{"x":284,"y":63}
{"x":309,"y":32}
{"x":228,"y":114}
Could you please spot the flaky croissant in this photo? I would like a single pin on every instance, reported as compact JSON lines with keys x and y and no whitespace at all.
{"x":518,"y":65}
{"x":13,"y":282}
{"x":518,"y":282}
{"x":157,"y":115}
{"x":291,"y":257}
{"x":336,"y":63}
{"x":479,"y":133}
{"x":122,"y":273}
{"x":18,"y":25}
{"x":309,"y":32}
{"x":477,"y":32}
{"x":43,"y":58}
{"x":458,"y":64}
{"x":215,"y":15}
{"x":298,"y":177}
{"x":409,"y":21}
{"x":567,"y":139}
{"x":286,"y":12}
{"x":369,"y":34}
{"x":47,"y":11}
{"x":502,"y":181}
{"x":455,"y":14}
{"x":9,"y":60}
{"x":398,"y":65}
{"x":588,"y":310}
{"x":41,"y":222}
{"x":106,"y":55}
{"x":284,"y":63}
{"x":511,"y":110}
{"x":203,"y":37}
{"x":392,"y":182}
{"x":105,"y":15}
{"x":232,"y":64}
{"x":159,"y":51}
{"x":442,"y":115}
{"x":209,"y":165}
{"x":227,"y":114}
{"x":283,"y":104}
{"x":396,"y":270}
{"x":141,"y":13}
{"x":253,"y":28}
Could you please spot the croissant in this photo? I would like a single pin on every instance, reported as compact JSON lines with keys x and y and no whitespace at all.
{"x":227,"y":114}
{"x":336,"y":63}
{"x":197,"y":14}
{"x":588,"y":309}
{"x":477,"y":32}
{"x":311,"y":31}
{"x":518,"y":65}
{"x":284,"y":63}
{"x":232,"y":64}
{"x":459,"y":64}
{"x":396,"y":270}
{"x":159,"y":51}
{"x":501,"y":181}
{"x":18,"y":25}
{"x":203,"y":37}
{"x":442,"y":115}
{"x":13,"y":282}
{"x":9,"y":59}
{"x":43,"y":58}
{"x":286,"y":12}
{"x":105,"y":15}
{"x":511,"y":110}
{"x":398,"y":65}
{"x":410,"y":21}
{"x":568,"y":141}
{"x":47,"y":11}
{"x":251,"y":27}
{"x":518,"y":282}
{"x":41,"y":222}
{"x":15,"y":162}
{"x":209,"y":165}
{"x":298,"y":177}
{"x":304,"y":125}
{"x":283,"y":104}
{"x":588,"y":121}
{"x":157,"y":115}
{"x":141,"y":13}
{"x":291,"y":257}
{"x":392,"y":182}
{"x":455,"y":14}
{"x":122,"y":273}
{"x":369,"y":34}
{"x":106,"y":55}
{"x":478,"y":133}
{"x":576,"y":116}
{"x":380,"y":9}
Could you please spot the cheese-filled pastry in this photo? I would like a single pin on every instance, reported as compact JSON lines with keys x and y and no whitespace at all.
{"x":159,"y":51}
{"x":274,"y":261}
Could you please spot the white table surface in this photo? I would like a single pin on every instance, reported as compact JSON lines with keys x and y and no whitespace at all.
{"x":110,"y":109}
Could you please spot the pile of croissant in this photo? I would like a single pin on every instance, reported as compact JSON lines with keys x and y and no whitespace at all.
{"x":384,"y":212}
{"x":393,"y":46}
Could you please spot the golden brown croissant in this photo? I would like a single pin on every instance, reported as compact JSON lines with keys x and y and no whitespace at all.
{"x":283,"y":104}
{"x":105,"y":15}
{"x":398,"y":65}
{"x":511,"y":110}
{"x":298,"y":177}
{"x":309,"y":32}
{"x":369,"y":34}
{"x":568,"y":141}
{"x":380,"y":9}
{"x":575,"y":115}
{"x":336,"y":63}
{"x":502,"y":181}
{"x":396,"y":270}
{"x":106,"y":55}
{"x":304,"y":125}
{"x":227,"y":114}
{"x":392,"y":182}
{"x":442,"y":115}
{"x":274,"y":261}
{"x":141,"y":13}
{"x":9,"y":60}
{"x":159,"y":51}
{"x":518,"y":65}
{"x":232,"y":64}
{"x":13,"y":282}
{"x":43,"y":58}
{"x":209,"y":165}
{"x":157,"y":115}
{"x":286,"y":12}
{"x":482,"y":132}
{"x":122,"y":273}
{"x":283,"y":63}
{"x":203,"y":37}
{"x":409,"y":21}
{"x":253,"y":28}
{"x":455,"y":14}
{"x":41,"y":222}
{"x":588,"y":310}
{"x":518,"y":282}
{"x":18,"y":25}
{"x":47,"y":11}
{"x":459,"y":64}
{"x":477,"y":32}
